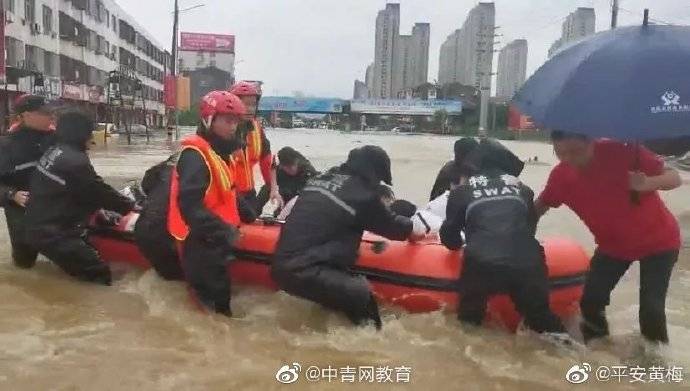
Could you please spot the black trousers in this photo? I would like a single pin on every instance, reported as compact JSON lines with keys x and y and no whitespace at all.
{"x":23,"y":254}
{"x":528,"y":287}
{"x":603,"y":276}
{"x":78,"y":259}
{"x":320,"y":275}
{"x":159,"y":247}
{"x":205,"y":269}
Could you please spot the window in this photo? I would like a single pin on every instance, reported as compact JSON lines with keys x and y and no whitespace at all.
{"x":50,"y":64}
{"x":107,"y":18}
{"x":66,"y":25}
{"x":47,"y":20}
{"x":114,"y":23}
{"x":30,"y":10}
{"x":10,"y":5}
{"x":212,"y":63}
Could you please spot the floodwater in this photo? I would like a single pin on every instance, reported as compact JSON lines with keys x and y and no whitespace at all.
{"x":142,"y":333}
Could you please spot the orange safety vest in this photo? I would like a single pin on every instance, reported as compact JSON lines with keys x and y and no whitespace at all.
{"x":245,"y":160}
{"x":220,"y":196}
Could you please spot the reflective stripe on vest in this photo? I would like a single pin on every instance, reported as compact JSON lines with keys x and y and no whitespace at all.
{"x":251,"y":155}
{"x":219,"y":198}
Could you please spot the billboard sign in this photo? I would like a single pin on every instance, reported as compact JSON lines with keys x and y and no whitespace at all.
{"x":405,"y":106}
{"x":301,"y":105}
{"x":207,"y":42}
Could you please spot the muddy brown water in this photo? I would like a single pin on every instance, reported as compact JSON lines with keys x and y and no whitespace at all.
{"x":142,"y":333}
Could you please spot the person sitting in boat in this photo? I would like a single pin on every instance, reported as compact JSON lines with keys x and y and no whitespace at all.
{"x":256,"y":149}
{"x":65,"y":193}
{"x":462,"y":148}
{"x":496,"y":213}
{"x":320,"y":240}
{"x":203,"y":214}
{"x":293,"y":172}
{"x":430,"y":217}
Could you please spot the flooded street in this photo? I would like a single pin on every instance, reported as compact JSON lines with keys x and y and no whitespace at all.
{"x":143,"y":333}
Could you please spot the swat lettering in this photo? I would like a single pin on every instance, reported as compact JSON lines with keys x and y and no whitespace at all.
{"x":332,"y":184}
{"x":496,"y":191}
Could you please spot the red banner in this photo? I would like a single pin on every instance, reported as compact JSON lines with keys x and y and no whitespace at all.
{"x":170,"y":91}
{"x":207,"y":42}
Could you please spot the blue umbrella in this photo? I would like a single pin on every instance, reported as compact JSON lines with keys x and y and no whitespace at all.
{"x":631,"y":83}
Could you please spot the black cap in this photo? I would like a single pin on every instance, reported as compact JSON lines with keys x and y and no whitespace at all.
{"x":29,"y":103}
{"x":463,"y":147}
{"x":370,"y":162}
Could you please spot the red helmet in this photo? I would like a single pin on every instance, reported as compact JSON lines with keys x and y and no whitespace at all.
{"x":246,"y":88}
{"x":219,"y":102}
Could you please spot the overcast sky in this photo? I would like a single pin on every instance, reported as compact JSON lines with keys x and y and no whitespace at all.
{"x":319,"y":47}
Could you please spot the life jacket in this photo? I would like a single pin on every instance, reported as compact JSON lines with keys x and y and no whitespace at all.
{"x":245,"y":159}
{"x":220,"y":196}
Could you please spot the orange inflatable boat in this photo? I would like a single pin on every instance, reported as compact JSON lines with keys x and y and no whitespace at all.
{"x":418,"y":277}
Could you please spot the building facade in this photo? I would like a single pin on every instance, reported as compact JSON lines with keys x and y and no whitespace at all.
{"x":419,"y":58}
{"x":204,"y":80}
{"x":369,"y":78}
{"x":387,"y":31}
{"x":200,"y":50}
{"x":512,"y":68}
{"x":360,"y":91}
{"x":579,"y":24}
{"x":71,"y":47}
{"x":466,"y":56}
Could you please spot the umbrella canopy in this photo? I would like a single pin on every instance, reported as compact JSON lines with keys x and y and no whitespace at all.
{"x":631,"y":83}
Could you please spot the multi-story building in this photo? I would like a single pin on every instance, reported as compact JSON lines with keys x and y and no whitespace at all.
{"x":400,"y":61}
{"x":419,"y":58}
{"x":512,"y":68}
{"x":411,"y":65}
{"x":369,"y":79}
{"x":360,"y":91}
{"x":73,"y":46}
{"x":466,"y":56}
{"x":579,"y":24}
{"x":387,"y":31}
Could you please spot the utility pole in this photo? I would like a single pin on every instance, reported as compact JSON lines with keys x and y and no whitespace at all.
{"x":485,"y":53}
{"x":174,"y":116}
{"x":614,"y":14}
{"x":176,"y":18}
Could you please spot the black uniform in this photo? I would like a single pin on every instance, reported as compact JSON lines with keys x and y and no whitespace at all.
{"x":151,"y":231}
{"x":289,"y":186}
{"x":467,"y":150}
{"x":208,"y":248}
{"x":65,"y":192}
{"x":320,"y":240}
{"x":19,"y":155}
{"x":461,"y":149}
{"x":496,"y":212}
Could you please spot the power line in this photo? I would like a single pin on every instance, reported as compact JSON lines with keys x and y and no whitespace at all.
{"x":658,"y":21}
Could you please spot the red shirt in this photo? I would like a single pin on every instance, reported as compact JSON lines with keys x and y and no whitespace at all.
{"x":600,"y":195}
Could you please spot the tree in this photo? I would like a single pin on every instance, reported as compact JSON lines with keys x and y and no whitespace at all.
{"x":440,"y":119}
{"x":189,"y":117}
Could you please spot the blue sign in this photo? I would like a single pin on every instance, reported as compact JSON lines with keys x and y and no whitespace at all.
{"x":405,"y":106}
{"x":301,"y":105}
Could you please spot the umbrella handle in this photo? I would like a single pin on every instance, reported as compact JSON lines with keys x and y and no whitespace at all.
{"x":634,"y":194}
